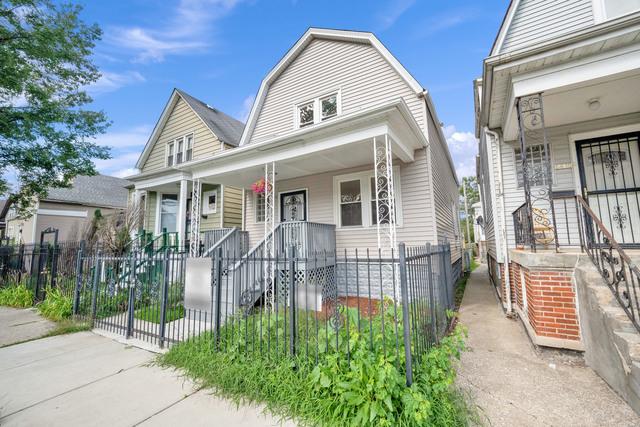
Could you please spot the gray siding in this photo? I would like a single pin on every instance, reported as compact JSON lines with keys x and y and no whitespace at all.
{"x":417,"y":212}
{"x":364,"y":77}
{"x":486,"y":183}
{"x":535,"y":21}
{"x":560,"y":153}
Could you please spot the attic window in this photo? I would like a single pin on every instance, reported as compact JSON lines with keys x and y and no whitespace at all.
{"x":317,"y":110}
{"x":180,"y":150}
{"x":305,"y":114}
{"x":170,"y":154}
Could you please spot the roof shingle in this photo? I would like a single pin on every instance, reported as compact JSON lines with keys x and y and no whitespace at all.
{"x":98,"y":190}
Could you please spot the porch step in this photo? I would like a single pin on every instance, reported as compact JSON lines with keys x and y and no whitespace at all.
{"x":611,"y":340}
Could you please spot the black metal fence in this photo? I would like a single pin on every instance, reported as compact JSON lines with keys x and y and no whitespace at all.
{"x":272,"y":306}
{"x":40,"y":267}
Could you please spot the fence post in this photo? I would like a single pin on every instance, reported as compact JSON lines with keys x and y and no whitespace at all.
{"x":132,"y":292}
{"x":94,"y":287}
{"x":404,"y":292}
{"x":165,"y":297}
{"x":76,"y":293}
{"x":432,"y":299}
{"x":217,"y":266}
{"x":292,"y":300}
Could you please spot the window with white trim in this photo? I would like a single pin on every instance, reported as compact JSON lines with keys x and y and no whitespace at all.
{"x":180,"y":150}
{"x":355,"y":199}
{"x":260,"y":207}
{"x":317,"y":110}
{"x":170,"y":148}
{"x":351,"y":203}
{"x":378,"y":199}
{"x":536,"y":164}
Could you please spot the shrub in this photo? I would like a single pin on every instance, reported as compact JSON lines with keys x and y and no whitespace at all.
{"x":56,"y":305}
{"x":366,"y":388}
{"x":16,"y":296}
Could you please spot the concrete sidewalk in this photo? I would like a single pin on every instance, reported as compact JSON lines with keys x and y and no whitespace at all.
{"x":514,"y":384}
{"x":84,"y":379}
{"x":22,"y":324}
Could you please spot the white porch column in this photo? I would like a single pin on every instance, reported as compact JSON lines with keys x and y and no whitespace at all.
{"x":182,"y":210}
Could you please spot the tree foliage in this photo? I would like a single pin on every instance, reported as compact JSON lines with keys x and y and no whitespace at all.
{"x":45,"y":67}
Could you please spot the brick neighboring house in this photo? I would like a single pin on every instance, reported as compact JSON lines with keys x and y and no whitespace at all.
{"x":70,"y":209}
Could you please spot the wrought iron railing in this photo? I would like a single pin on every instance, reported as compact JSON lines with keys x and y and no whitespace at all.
{"x":620,"y":273}
{"x":534,"y":228}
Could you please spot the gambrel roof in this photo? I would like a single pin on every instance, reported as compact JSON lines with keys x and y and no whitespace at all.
{"x":300,"y":45}
{"x":227,"y":129}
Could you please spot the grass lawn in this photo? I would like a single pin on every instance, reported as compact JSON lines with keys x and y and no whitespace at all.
{"x":151,"y":313}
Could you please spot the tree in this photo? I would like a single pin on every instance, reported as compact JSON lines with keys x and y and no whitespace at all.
{"x":473,"y":196}
{"x":45,"y":66}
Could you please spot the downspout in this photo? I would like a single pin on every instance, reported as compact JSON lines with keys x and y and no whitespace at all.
{"x":505,"y":250}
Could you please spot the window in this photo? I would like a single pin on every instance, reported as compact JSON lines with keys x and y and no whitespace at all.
{"x":168,"y":212}
{"x":329,"y":106}
{"x":170,"y":154}
{"x":210,"y":201}
{"x":616,"y":8}
{"x":180,"y":148}
{"x":536,"y":164}
{"x":350,"y":203}
{"x":317,"y":110}
{"x":305,"y":114}
{"x":260,"y":207}
{"x":383,"y":202}
{"x":188,"y":148}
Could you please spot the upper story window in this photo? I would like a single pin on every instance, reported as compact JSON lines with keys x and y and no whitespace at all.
{"x":180,"y":150}
{"x":610,"y":9}
{"x":317,"y":110}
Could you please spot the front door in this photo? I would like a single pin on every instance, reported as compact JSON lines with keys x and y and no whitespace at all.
{"x":293,"y":206}
{"x":610,"y":178}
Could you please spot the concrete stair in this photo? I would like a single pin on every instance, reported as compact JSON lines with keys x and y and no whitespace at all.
{"x":612,"y":343}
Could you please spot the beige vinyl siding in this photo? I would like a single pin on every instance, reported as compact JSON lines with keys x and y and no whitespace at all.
{"x":416,"y":229}
{"x":211,"y":221}
{"x":150,"y":211}
{"x":232,"y":207}
{"x":560,"y":153}
{"x":364,"y":77}
{"x":537,"y":20}
{"x":182,"y":121}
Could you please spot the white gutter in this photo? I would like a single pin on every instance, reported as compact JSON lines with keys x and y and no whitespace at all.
{"x":503,"y":228}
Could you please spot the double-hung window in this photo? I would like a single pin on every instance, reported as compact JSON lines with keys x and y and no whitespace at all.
{"x":180,"y":150}
{"x":359,"y":202}
{"x":350,"y":203}
{"x":317,"y":110}
{"x":615,"y":8}
{"x":170,"y":148}
{"x":536,"y":166}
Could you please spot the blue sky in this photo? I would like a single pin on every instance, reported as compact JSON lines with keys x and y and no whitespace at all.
{"x":219,"y":51}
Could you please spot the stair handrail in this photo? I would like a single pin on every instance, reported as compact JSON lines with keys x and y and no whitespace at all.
{"x":613,"y":263}
{"x":220,"y":242}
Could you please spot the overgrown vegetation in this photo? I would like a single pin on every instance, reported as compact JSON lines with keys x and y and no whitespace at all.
{"x":68,"y":326}
{"x":19,"y":296}
{"x":362,"y":386}
{"x":56,"y":306}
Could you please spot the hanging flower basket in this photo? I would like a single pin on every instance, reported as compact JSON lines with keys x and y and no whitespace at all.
{"x":259,"y":186}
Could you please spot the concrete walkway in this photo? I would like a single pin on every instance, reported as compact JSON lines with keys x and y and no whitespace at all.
{"x":84,"y":379}
{"x":514,"y":384}
{"x":22,"y":324}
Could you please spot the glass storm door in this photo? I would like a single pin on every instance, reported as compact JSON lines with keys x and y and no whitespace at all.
{"x":293,"y":206}
{"x":168,"y":212}
{"x":610,"y":177}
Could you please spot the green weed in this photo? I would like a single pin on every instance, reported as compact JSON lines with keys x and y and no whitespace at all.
{"x":56,"y":306}
{"x":16,"y":296}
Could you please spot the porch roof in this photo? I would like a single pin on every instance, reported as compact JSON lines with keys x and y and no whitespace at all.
{"x":337,"y":144}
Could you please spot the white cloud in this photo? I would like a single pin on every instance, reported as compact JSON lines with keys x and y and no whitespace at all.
{"x":122,"y":164}
{"x":111,"y":81}
{"x":463,"y":147}
{"x":247,"y":103}
{"x":189,"y":30}
{"x":134,"y":137}
{"x":123,"y":173}
{"x":393,"y":12}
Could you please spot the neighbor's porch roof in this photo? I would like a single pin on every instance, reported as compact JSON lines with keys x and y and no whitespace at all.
{"x":341,"y":143}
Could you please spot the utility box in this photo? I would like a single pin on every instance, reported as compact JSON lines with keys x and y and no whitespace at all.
{"x":197,"y":288}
